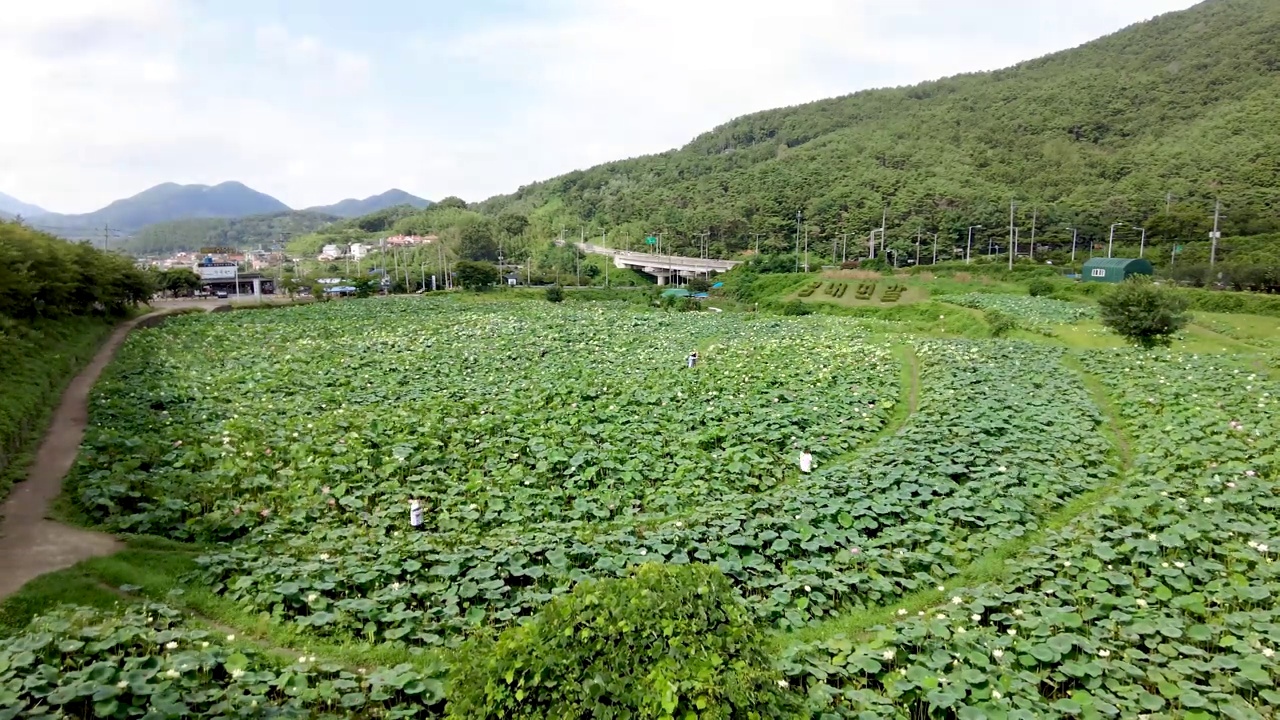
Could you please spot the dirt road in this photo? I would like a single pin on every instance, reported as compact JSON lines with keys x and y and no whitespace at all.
{"x":31,"y":544}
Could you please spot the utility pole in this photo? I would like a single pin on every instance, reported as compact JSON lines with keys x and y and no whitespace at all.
{"x":1142,"y":244}
{"x":935,"y":249}
{"x":968,"y":247}
{"x":806,"y":249}
{"x":884,"y":219}
{"x":1215,"y":235}
{"x":1035,"y":212}
{"x":918,"y":232}
{"x":604,"y":242}
{"x":1168,"y":202}
{"x":844,"y":248}
{"x":106,"y":234}
{"x":1012,"y":238}
{"x":799,"y":217}
{"x":1075,"y":233}
{"x":1111,"y":241}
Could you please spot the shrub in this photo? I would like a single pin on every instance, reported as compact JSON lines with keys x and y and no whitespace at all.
{"x":795,"y":307}
{"x":1039,"y":287}
{"x":476,"y":275}
{"x":698,"y":285}
{"x":555,"y":294}
{"x":1146,"y":314}
{"x":668,"y":641}
{"x":1000,"y":323}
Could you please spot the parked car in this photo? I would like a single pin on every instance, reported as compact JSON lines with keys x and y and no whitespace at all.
{"x":222,"y":294}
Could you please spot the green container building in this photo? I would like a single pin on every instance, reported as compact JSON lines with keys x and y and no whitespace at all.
{"x":1114,"y":270}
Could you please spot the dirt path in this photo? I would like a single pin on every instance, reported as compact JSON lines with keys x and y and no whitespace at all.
{"x":31,"y":544}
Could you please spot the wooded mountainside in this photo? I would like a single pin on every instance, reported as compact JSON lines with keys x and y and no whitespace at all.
{"x":1146,"y":126}
{"x":245,"y":232}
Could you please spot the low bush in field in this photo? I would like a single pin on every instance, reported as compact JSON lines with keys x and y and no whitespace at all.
{"x":668,"y":641}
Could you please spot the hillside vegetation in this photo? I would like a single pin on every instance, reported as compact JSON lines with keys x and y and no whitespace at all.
{"x":245,"y":232}
{"x":1145,"y":126}
{"x":57,"y":301}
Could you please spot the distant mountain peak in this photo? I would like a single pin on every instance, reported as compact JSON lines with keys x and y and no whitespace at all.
{"x":11,"y":206}
{"x":351,"y":207}
{"x":171,"y":201}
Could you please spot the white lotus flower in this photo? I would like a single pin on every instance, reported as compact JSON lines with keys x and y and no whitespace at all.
{"x":237,"y":673}
{"x":888,"y":654}
{"x":171,"y":645}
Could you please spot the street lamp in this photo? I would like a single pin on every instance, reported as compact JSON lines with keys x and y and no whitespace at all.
{"x":1142,"y":245}
{"x":968,"y":246}
{"x":1111,"y":241}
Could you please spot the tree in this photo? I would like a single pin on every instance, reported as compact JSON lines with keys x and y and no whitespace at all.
{"x":1146,"y":314}
{"x":512,"y":224}
{"x":179,"y":281}
{"x":476,"y":275}
{"x":364,"y":286}
{"x":555,"y":294}
{"x":476,"y":241}
{"x":452,"y":201}
{"x":698,"y":285}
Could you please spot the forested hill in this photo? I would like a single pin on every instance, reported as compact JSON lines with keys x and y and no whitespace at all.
{"x":245,"y":232}
{"x":1176,"y":110}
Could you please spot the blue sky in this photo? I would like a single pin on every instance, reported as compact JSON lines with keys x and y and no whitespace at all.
{"x":316,"y":100}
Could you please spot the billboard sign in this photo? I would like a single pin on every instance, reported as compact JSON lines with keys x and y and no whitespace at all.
{"x":217,"y":271}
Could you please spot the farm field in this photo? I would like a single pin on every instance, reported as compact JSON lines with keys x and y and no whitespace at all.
{"x":992,"y":528}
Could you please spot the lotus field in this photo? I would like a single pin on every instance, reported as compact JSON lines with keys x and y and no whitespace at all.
{"x":992,"y":529}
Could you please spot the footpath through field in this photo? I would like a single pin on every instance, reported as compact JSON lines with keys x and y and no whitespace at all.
{"x":30,"y":543}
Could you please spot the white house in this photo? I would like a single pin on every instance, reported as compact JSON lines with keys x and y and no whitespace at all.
{"x":359,"y":250}
{"x":330,"y":252}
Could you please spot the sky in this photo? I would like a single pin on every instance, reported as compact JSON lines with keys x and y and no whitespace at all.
{"x":313,"y":101}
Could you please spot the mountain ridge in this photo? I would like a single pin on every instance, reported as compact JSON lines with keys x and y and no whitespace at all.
{"x":1147,"y":124}
{"x":171,"y":202}
{"x":352,"y":207}
{"x":11,"y":206}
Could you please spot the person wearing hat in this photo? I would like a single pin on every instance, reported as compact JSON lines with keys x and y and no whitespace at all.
{"x":693,"y":358}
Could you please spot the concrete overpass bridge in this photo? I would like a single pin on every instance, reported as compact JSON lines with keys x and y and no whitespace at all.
{"x":666,"y":268}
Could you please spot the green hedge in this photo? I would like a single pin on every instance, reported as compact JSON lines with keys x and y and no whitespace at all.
{"x":39,"y":358}
{"x":1221,"y":301}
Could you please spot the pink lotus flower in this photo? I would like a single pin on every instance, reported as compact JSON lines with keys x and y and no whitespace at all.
{"x":325,"y":489}
{"x":265,"y":512}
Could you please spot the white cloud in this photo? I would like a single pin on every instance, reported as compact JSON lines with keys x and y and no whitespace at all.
{"x":117,"y":96}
